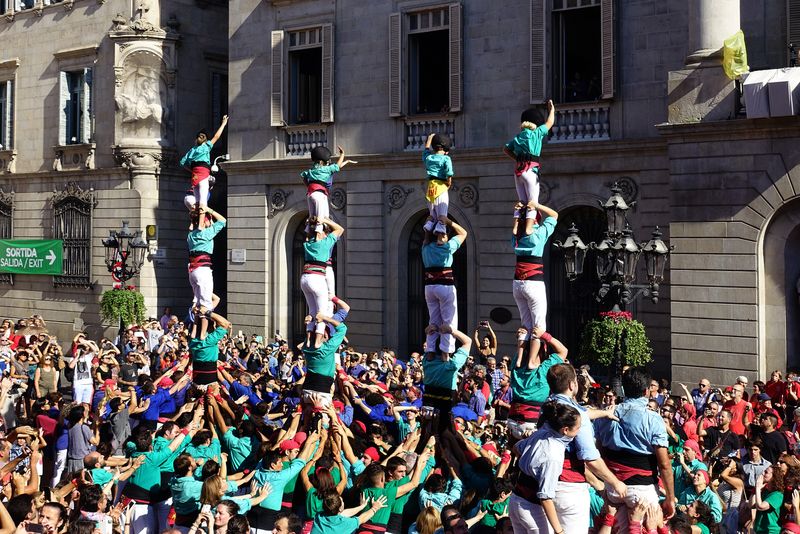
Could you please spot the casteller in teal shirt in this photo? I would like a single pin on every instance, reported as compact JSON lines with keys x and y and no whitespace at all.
{"x":530,"y":385}
{"x":319,"y":250}
{"x":322,"y":360}
{"x":203,"y":240}
{"x":533,"y":245}
{"x":320,"y":173}
{"x":444,"y":374}
{"x":198,"y":154}
{"x":528,"y":142}
{"x":206,"y":350}
{"x":435,"y":255}
{"x":334,"y":524}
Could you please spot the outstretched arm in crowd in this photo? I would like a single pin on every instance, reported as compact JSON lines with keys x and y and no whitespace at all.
{"x":412,"y":484}
{"x":466,"y":342}
{"x":667,"y":478}
{"x":556,"y":346}
{"x":336,"y":229}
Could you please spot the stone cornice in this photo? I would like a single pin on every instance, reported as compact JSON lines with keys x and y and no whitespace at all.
{"x":77,"y":52}
{"x":12,"y":63}
{"x":767,"y":128}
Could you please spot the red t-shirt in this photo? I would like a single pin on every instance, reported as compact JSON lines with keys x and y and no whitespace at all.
{"x":737,"y":411}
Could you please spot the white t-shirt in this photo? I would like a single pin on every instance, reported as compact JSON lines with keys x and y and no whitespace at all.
{"x":83,"y":369}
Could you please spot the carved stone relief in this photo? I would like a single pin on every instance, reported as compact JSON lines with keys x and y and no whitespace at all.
{"x":141,"y":98}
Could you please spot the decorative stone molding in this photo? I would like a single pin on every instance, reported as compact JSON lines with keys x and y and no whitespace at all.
{"x":628,"y":186}
{"x":6,"y":199}
{"x":277,"y":201}
{"x":396,"y":197}
{"x":74,"y":157}
{"x":8,"y":161}
{"x":468,"y":196}
{"x":9,"y":64}
{"x":338,"y":199}
{"x":137,"y":158}
{"x":72,"y":189}
{"x":77,"y":52}
{"x":545,"y":192}
{"x":38,"y":8}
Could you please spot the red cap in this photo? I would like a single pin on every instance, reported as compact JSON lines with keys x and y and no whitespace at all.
{"x":300,"y":437}
{"x":490,"y":447}
{"x":289,"y":444}
{"x":339,"y":405}
{"x":361,"y":427}
{"x":166,"y":382}
{"x":705,"y":474}
{"x":110,"y":383}
{"x":692,"y":444}
{"x":372,"y":453}
{"x":792,"y":527}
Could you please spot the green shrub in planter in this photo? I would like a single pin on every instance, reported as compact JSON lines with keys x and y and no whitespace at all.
{"x":126,"y":303}
{"x":615,"y":332}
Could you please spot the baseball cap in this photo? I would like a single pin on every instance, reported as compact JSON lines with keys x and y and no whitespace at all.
{"x":289,"y":444}
{"x":372,"y":453}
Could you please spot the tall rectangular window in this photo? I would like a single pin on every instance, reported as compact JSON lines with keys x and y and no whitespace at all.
{"x":72,"y":223}
{"x":429,"y":61}
{"x":76,"y":107}
{"x":425,"y":57}
{"x":310,"y":76}
{"x":6,"y":115}
{"x":305,"y":76}
{"x":577,"y":57}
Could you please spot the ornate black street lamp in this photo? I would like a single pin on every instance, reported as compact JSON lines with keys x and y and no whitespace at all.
{"x":125,"y":251}
{"x":617,"y":256}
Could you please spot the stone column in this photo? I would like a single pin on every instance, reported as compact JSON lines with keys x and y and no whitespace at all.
{"x":710,"y":23}
{"x":702,"y":92}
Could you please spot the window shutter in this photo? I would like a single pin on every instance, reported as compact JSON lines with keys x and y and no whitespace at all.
{"x":65,"y":116}
{"x":607,"y":47}
{"x":456,"y":81}
{"x":327,"y":73}
{"x":395,"y":65}
{"x":8,"y":117}
{"x":276,"y":118}
{"x":538,"y":76}
{"x":86,"y":107}
{"x":793,"y":20}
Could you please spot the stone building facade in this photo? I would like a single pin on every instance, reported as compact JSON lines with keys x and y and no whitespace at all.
{"x":641,"y":100}
{"x":97,"y":98}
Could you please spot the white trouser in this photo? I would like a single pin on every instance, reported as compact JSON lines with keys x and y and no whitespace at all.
{"x":528,"y":189}
{"x":318,"y":207}
{"x":82,"y":393}
{"x":331,"y":281}
{"x":58,"y":468}
{"x":443,"y":310}
{"x":438,"y":208}
{"x":201,"y":193}
{"x":531,"y":298}
{"x":572,"y":506}
{"x":636,"y":494}
{"x":202,"y":282}
{"x":315,"y":289}
{"x":528,"y":517}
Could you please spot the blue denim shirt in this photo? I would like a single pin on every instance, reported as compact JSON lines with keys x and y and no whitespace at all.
{"x":638,"y":430}
{"x":583,"y":444}
{"x":542,"y":457}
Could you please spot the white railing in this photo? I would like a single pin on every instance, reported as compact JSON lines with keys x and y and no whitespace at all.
{"x":418,"y":129}
{"x":581,"y":122}
{"x":301,"y":139}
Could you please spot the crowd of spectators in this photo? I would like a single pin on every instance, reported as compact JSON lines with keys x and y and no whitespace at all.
{"x":107,"y":436}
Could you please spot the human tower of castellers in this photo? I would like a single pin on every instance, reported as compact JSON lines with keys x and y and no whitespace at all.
{"x":191,"y":428}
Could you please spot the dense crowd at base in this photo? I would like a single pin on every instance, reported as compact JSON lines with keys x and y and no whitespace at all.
{"x":100,"y":440}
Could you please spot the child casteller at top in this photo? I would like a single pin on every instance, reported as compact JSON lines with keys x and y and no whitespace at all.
{"x":439,"y":170}
{"x":525,"y":149}
{"x":319,"y":179}
{"x":198,"y":159}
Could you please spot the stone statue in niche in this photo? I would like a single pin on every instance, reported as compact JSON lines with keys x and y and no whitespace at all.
{"x":141,"y":102}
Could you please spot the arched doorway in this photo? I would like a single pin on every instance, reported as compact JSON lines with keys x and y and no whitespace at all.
{"x":299,"y":308}
{"x":781,"y":273}
{"x":571,"y":304}
{"x":416,"y":308}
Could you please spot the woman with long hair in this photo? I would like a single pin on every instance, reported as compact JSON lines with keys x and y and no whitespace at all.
{"x":428,"y":521}
{"x":767,"y":501}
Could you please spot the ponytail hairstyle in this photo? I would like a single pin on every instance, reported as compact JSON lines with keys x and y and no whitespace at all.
{"x":559,"y":416}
